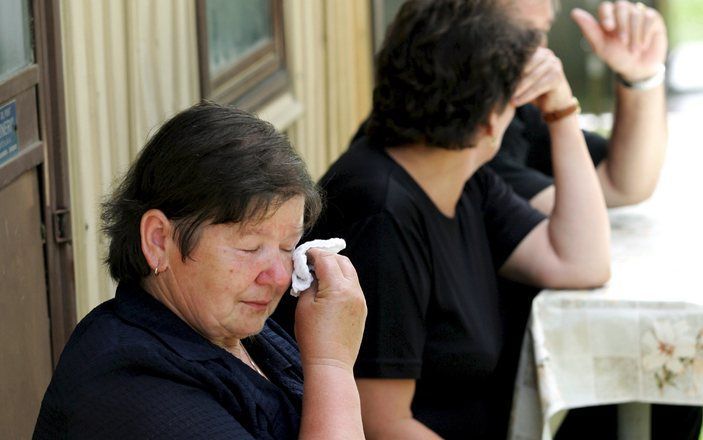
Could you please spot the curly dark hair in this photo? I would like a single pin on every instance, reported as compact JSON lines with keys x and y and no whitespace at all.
{"x":443,"y":67}
{"x":209,"y":164}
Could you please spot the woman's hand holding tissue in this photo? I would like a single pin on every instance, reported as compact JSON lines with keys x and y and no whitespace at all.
{"x":330,"y":315}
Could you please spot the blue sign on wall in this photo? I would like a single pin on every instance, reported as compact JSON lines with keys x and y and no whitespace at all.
{"x":9,"y":146}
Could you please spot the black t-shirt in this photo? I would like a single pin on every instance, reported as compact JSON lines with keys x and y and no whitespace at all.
{"x":524,"y":160}
{"x":429,"y":280}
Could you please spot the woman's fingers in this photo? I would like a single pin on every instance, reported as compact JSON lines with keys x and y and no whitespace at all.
{"x":308,"y":295}
{"x":347,"y":268}
{"x":622,"y":18}
{"x":541,"y":79}
{"x":333,"y":271}
{"x":325,"y":263}
{"x":538,"y":85}
{"x":642,"y":20}
{"x":606,"y":13}
{"x":330,"y":315}
{"x":653,"y":25}
{"x":531,"y":72}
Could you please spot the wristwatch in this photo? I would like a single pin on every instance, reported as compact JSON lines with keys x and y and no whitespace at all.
{"x":554,"y":116}
{"x":645,"y":84}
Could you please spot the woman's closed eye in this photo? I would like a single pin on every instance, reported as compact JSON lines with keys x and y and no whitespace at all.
{"x":249,"y":250}
{"x":255,"y":249}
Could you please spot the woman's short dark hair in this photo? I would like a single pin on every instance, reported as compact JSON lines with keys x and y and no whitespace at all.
{"x":209,"y":164}
{"x":443,"y":67}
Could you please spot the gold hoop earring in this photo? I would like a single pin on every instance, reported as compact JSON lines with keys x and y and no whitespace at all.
{"x":156,"y":271}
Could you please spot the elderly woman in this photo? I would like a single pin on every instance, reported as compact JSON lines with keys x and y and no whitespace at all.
{"x":429,"y":227}
{"x":201,"y":234}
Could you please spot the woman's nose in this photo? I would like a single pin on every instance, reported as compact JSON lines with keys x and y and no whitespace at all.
{"x":277,"y":271}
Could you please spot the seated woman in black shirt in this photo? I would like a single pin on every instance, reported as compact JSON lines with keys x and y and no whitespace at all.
{"x":201,"y":233}
{"x":428,"y":227}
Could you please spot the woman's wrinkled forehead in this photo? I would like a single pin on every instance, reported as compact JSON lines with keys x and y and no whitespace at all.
{"x":288,"y":214}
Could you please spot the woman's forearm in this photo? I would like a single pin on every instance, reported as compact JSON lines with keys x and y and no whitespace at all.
{"x":637,"y":146}
{"x":578,"y":229}
{"x":331,"y":408}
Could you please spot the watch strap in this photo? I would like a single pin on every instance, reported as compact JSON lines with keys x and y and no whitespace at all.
{"x":645,"y":84}
{"x":554,"y":116}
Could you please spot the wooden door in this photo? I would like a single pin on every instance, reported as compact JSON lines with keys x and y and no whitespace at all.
{"x":36,"y":307}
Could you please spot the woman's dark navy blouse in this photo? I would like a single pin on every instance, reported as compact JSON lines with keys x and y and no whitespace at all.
{"x":133,"y":369}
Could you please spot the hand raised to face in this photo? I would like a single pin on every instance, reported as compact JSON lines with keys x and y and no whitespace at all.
{"x":330,"y":315}
{"x":544,"y":83}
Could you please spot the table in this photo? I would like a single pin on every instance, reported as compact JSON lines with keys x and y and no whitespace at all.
{"x":640,"y":337}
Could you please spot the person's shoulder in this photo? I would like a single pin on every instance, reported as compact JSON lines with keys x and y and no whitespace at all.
{"x":102,"y":344}
{"x":364,"y":182}
{"x":362,"y":166}
{"x":89,"y":360}
{"x":484,"y":179}
{"x":97,"y":333}
{"x":486,"y":187}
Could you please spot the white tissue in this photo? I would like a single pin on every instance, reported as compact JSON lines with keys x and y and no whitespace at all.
{"x":302,"y":277}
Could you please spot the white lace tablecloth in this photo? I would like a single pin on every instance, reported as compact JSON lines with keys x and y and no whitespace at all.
{"x":639,"y":338}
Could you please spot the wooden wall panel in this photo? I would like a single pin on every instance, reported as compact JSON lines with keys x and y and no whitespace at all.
{"x":128,"y":65}
{"x":331,"y":60}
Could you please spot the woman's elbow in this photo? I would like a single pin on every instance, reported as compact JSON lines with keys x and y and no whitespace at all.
{"x":633,"y":196}
{"x":595,"y":274}
{"x":600,"y":276}
{"x":578,"y":277}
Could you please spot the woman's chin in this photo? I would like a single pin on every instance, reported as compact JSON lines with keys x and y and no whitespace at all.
{"x":254,"y":329}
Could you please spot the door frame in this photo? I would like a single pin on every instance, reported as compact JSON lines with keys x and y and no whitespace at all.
{"x":49,"y":154}
{"x":57,"y":200}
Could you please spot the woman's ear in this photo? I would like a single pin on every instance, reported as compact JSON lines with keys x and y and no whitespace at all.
{"x":155,"y":230}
